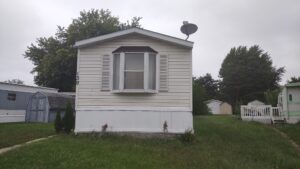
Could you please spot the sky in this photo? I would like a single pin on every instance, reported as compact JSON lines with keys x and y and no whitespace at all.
{"x":274,"y":25}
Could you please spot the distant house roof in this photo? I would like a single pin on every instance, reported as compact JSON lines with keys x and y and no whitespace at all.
{"x":140,"y":31}
{"x":25,"y":88}
{"x":213,"y":100}
{"x":255,"y":103}
{"x":293,"y":84}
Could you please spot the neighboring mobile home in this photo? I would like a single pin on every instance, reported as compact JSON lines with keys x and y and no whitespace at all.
{"x":42,"y":107}
{"x":134,"y":80}
{"x":218,"y":107}
{"x":289,"y":101}
{"x":14,"y":99}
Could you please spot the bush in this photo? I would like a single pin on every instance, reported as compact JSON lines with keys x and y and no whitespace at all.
{"x":199,"y":107}
{"x":69,"y":119}
{"x":58,"y":123}
{"x":188,"y":136}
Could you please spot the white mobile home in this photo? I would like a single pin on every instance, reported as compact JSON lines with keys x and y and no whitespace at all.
{"x":134,"y":80}
{"x":287,"y":110}
{"x":289,"y":101}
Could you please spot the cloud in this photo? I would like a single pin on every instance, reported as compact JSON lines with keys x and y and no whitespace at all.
{"x":272,"y":24}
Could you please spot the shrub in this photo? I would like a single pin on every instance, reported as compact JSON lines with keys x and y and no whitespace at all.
{"x":69,"y":119}
{"x":188,"y":136}
{"x":58,"y":123}
{"x":199,"y":106}
{"x":104,"y":128}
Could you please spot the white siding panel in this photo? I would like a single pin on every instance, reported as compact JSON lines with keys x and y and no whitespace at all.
{"x":90,"y":75}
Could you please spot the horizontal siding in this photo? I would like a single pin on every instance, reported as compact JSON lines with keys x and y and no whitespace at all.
{"x":179,"y":76}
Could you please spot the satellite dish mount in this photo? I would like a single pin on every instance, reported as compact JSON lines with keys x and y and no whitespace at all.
{"x":188,"y":28}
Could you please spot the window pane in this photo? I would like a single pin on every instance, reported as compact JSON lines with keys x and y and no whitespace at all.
{"x":134,"y":80}
{"x":11,"y":96}
{"x":152,"y":71}
{"x":134,"y":61}
{"x":116,"y":71}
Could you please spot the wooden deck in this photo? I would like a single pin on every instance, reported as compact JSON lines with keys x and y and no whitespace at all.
{"x":264,"y":114}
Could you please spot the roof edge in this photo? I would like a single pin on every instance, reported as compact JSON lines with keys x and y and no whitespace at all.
{"x":297,"y":84}
{"x":156,"y":35}
{"x":22,"y":85}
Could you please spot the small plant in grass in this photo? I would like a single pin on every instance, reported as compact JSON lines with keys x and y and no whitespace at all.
{"x":165,"y":127}
{"x":69,"y":119}
{"x":104,"y":128}
{"x":58,"y":123}
{"x":188,"y":136}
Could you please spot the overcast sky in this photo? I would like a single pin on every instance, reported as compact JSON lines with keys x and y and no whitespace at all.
{"x":272,"y":24}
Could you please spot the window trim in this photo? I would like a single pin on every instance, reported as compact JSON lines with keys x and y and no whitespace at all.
{"x":146,"y":74}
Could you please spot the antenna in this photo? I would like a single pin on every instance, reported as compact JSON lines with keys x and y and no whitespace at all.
{"x":188,"y":28}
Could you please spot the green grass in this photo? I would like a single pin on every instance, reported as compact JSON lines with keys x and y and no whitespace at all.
{"x":222,"y":142}
{"x":16,"y":133}
{"x":292,"y":130}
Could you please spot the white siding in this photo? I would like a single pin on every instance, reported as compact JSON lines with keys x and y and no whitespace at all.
{"x":179,"y":76}
{"x":7,"y":116}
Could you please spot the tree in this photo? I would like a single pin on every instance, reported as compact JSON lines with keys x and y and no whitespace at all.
{"x":199,"y":96}
{"x":271,"y":97}
{"x":210,"y":85}
{"x":54,"y":58}
{"x":14,"y":81}
{"x":294,"y":80}
{"x":68,"y":120}
{"x":247,"y":73}
{"x":58,"y":123}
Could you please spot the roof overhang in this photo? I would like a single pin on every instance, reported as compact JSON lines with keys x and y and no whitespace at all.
{"x":155,"y":35}
{"x":293,"y":84}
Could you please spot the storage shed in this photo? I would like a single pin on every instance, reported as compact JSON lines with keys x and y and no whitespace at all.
{"x":255,"y":103}
{"x":219,"y":107}
{"x":42,"y":107}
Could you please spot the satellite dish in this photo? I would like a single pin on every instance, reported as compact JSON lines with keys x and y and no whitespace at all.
{"x":188,"y":28}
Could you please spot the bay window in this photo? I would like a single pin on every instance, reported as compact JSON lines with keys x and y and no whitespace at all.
{"x":134,"y":69}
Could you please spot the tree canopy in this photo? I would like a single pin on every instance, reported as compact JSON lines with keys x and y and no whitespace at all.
{"x":294,"y":80}
{"x":210,"y":85}
{"x":247,"y":73}
{"x":54,"y":58}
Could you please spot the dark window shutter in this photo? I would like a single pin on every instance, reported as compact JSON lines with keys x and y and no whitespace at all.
{"x":163,"y":73}
{"x":105,"y":84}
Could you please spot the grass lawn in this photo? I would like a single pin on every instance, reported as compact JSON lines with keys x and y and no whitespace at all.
{"x":222,"y":142}
{"x":16,"y":133}
{"x":292,"y":130}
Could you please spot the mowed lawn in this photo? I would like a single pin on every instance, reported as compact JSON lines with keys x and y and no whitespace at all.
{"x":222,"y":142}
{"x":16,"y":133}
{"x":292,"y":130}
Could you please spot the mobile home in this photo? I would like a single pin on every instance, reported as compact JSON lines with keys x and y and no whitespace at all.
{"x":134,"y":80}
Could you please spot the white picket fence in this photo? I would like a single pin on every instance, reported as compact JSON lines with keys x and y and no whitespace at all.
{"x":264,"y":113}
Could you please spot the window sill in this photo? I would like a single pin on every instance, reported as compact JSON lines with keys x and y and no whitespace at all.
{"x":134,"y":91}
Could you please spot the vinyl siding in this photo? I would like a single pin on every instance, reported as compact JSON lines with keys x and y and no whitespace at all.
{"x":294,"y":105}
{"x":179,"y":92}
